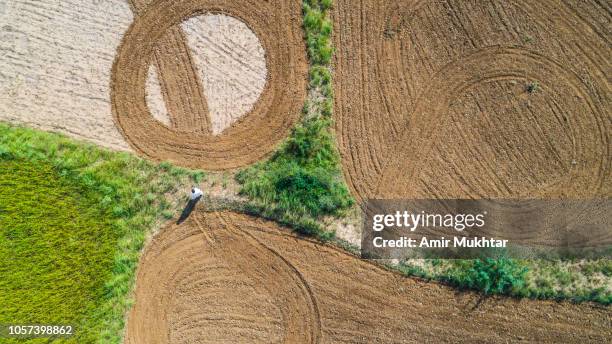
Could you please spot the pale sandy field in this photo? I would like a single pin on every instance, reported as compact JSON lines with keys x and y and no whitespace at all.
{"x":56,"y":59}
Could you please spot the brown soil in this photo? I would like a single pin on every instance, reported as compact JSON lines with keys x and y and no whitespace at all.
{"x":229,"y":278}
{"x":155,"y":35}
{"x":432,"y":100}
{"x":181,"y":87}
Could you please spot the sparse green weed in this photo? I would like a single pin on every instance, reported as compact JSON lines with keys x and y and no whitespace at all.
{"x":533,"y":87}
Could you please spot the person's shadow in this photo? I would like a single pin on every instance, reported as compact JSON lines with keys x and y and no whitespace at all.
{"x":188,"y":209}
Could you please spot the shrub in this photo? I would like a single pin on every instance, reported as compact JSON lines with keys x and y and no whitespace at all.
{"x":302,"y":179}
{"x":318,"y":30}
{"x":326,"y":4}
{"x":493,"y":276}
{"x":533,"y":87}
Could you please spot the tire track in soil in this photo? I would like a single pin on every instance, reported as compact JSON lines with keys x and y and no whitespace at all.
{"x":486,"y":65}
{"x":279,"y":29}
{"x":192,"y":296}
{"x":267,"y":268}
{"x":181,"y":87}
{"x":395,"y":98}
{"x":217,"y":277}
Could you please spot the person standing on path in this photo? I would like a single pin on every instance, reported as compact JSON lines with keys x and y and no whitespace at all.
{"x":195,"y":194}
{"x":194,"y":197}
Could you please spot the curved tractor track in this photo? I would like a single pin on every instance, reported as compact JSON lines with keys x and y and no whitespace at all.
{"x":230,"y":278}
{"x":227,"y":286}
{"x":155,"y":37}
{"x":432,"y":99}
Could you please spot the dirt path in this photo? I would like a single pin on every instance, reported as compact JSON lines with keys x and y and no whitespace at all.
{"x":229,"y":278}
{"x":432,"y":100}
{"x":278,"y":27}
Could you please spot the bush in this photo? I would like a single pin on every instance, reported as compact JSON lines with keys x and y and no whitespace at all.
{"x":533,"y":87}
{"x":303,"y":178}
{"x":326,"y":4}
{"x":318,"y":30}
{"x":493,"y":276}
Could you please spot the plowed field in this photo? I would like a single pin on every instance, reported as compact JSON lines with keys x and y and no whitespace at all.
{"x":156,"y":37}
{"x":433,"y":99}
{"x":474,"y":99}
{"x":229,"y":278}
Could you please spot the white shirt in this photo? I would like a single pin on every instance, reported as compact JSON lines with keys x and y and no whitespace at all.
{"x":196,"y":193}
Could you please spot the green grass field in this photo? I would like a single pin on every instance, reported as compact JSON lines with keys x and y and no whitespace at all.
{"x":73,"y":220}
{"x":56,"y":249}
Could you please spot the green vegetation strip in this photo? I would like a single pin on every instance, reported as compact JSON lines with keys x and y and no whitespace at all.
{"x":574,"y":280}
{"x":302,"y":181}
{"x":73,"y":220}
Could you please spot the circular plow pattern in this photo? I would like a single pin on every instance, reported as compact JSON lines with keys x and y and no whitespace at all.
{"x":155,"y":37}
{"x":432,"y":98}
{"x":431,"y":101}
{"x":230,"y":278}
{"x":211,"y":282}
